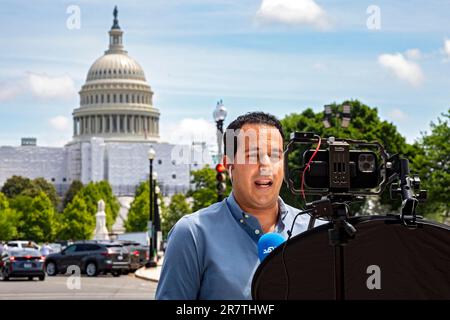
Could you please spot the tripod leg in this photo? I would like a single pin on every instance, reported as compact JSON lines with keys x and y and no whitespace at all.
{"x":339,"y":272}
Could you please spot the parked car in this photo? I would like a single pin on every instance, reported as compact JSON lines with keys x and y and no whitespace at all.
{"x":139,"y":237}
{"x":91,"y":257}
{"x":138,"y":254}
{"x":18,"y":262}
{"x":55,"y":247}
{"x":64,"y":243}
{"x":20,"y":244}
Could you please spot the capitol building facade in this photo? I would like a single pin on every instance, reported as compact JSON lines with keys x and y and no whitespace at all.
{"x":114,"y":127}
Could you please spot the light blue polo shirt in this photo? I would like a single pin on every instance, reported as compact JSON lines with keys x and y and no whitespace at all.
{"x":212,"y":254}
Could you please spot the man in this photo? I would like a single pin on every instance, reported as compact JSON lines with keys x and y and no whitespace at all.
{"x":45,"y":249}
{"x":212,"y":253}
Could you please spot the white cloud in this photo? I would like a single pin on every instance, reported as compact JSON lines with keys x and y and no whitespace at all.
{"x":294,"y":12}
{"x":447,"y":48}
{"x":190,"y":130}
{"x":60,"y":123}
{"x":397,"y":114}
{"x":10,"y":90}
{"x":45,"y":86}
{"x":39,"y":85}
{"x":402,"y":68}
{"x":413,"y":54}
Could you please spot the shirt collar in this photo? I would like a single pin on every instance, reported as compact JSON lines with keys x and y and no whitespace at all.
{"x":249,"y":222}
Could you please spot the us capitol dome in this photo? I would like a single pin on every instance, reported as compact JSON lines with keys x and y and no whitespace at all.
{"x":115,"y":126}
{"x":116,"y":102}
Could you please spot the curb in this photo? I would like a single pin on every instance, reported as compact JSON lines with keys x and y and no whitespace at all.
{"x":140,"y":274}
{"x":151,"y":274}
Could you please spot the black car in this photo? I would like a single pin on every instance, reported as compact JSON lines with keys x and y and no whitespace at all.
{"x":91,"y":257}
{"x":138,"y":254}
{"x":25,"y":262}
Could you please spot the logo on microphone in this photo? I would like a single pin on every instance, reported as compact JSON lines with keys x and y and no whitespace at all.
{"x":268,"y":250}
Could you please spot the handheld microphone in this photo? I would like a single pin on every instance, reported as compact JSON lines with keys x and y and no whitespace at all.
{"x":267,"y":243}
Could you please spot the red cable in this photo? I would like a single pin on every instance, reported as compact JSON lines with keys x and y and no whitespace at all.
{"x":307,"y":167}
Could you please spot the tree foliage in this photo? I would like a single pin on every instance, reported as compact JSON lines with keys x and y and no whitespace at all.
{"x":39,"y":224}
{"x":76,"y":222}
{"x":139,"y":212}
{"x":204,"y":193}
{"x":177,"y":208}
{"x":138,"y":215}
{"x":21,"y":204}
{"x":432,"y":163}
{"x":15,"y":185}
{"x":73,"y":190}
{"x":8,"y":220}
{"x":94,"y":192}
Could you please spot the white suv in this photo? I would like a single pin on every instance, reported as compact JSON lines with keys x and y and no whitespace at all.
{"x":22,"y":244}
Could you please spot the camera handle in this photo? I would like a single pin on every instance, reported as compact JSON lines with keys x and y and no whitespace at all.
{"x":405,"y":187}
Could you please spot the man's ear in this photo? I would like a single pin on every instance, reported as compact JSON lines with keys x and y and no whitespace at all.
{"x":226,"y":162}
{"x":228,"y":165}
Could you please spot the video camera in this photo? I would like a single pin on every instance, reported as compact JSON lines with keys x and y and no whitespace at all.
{"x":340,"y":170}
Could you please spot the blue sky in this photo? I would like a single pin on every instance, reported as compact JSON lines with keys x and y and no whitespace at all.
{"x":279,"y":56}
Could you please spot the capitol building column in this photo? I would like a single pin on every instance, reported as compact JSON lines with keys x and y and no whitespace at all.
{"x":110,"y":124}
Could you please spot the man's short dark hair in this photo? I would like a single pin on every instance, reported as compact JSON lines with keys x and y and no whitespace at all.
{"x":256,"y":117}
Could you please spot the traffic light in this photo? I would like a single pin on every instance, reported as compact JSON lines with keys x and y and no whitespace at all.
{"x":221,"y":181}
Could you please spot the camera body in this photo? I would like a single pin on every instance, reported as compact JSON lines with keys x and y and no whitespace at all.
{"x":342,"y":167}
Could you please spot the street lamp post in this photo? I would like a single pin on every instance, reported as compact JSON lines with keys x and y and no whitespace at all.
{"x":151,"y":262}
{"x":157,"y":220}
{"x":219,"y":116}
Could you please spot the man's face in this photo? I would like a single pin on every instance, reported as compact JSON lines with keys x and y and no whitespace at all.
{"x":257,"y":172}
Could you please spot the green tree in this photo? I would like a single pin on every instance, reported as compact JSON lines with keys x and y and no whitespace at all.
{"x":76,"y":222}
{"x":204,"y":193}
{"x":73,"y":190}
{"x":39,"y":224}
{"x":138,"y":214}
{"x":41,"y":185}
{"x":141,"y":188}
{"x":177,"y":208}
{"x":15,"y":185}
{"x":93,"y":192}
{"x":8,"y":220}
{"x":432,"y":163}
{"x":365,"y":124}
{"x":21,"y":205}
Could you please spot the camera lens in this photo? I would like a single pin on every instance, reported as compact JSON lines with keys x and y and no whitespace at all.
{"x":362,"y":157}
{"x":366,"y":166}
{"x":369,"y":158}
